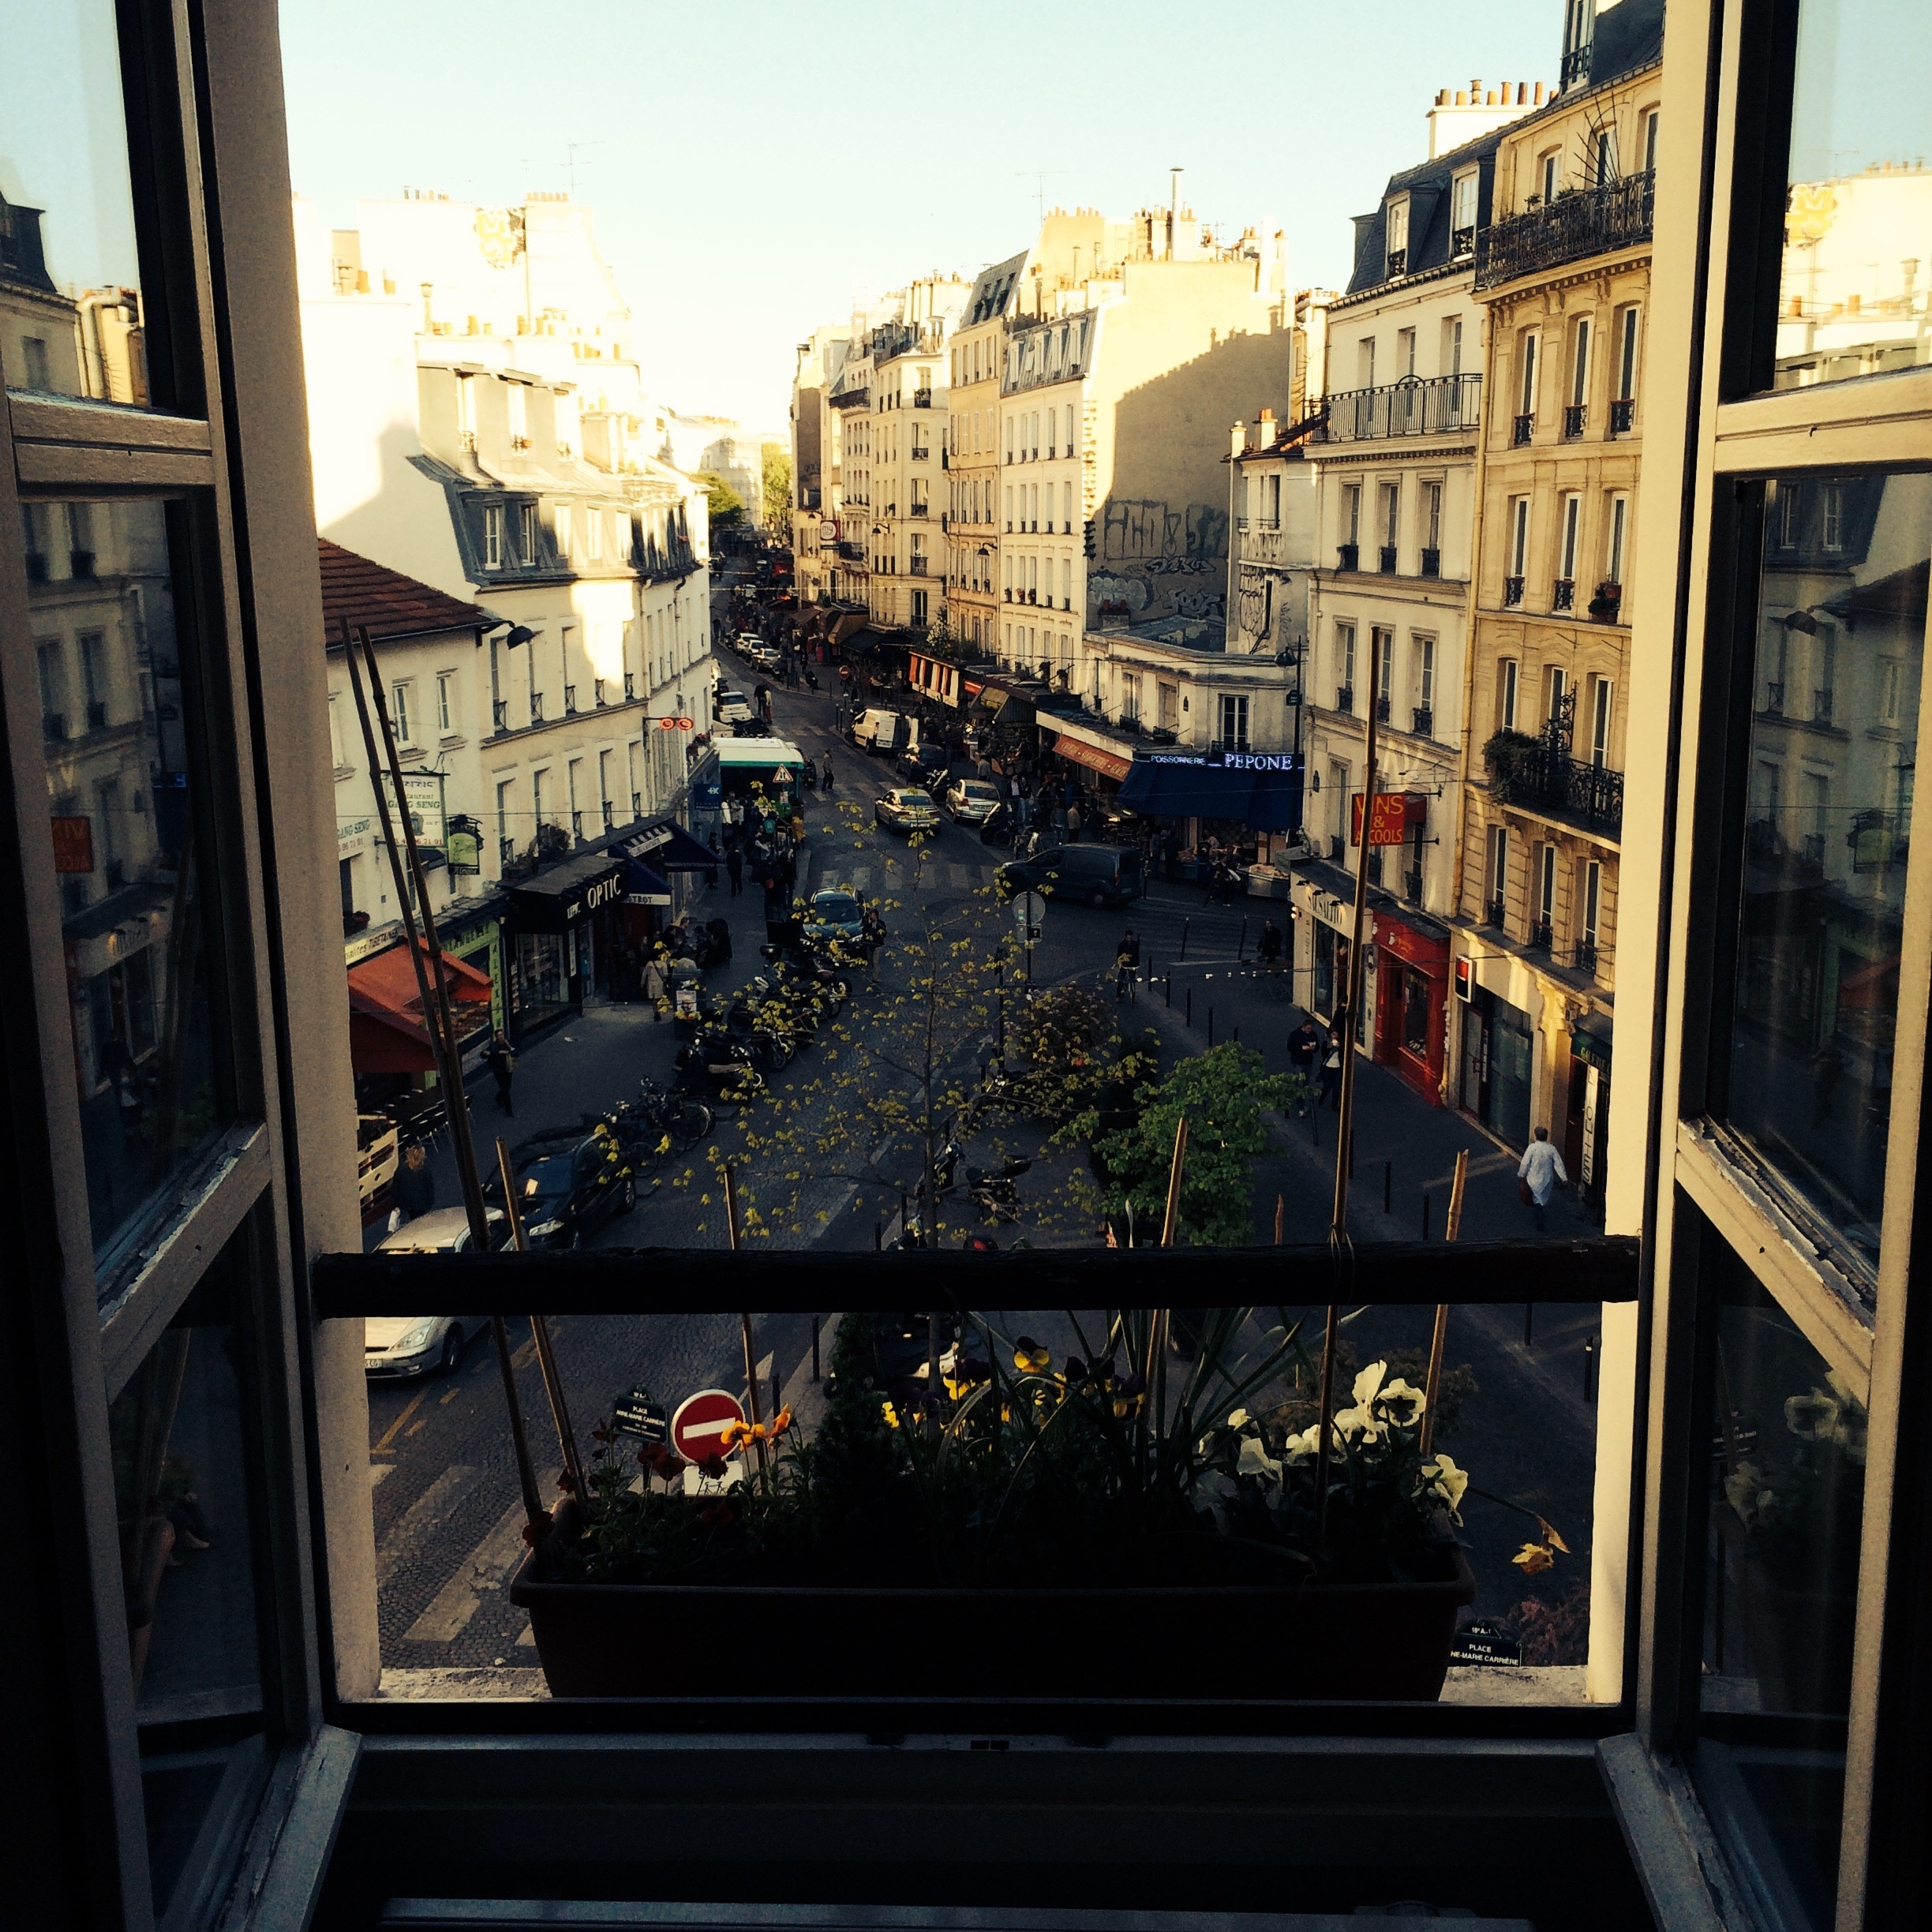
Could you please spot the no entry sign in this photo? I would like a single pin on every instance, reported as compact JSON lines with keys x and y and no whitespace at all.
{"x":700,"y":1421}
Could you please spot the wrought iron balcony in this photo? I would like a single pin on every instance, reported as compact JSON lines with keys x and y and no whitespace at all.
{"x":1542,"y":936}
{"x":1774,"y":700}
{"x":1493,"y":913}
{"x":97,"y":714}
{"x":506,"y":852}
{"x":537,"y":698}
{"x":499,"y":714}
{"x":1820,"y":707}
{"x":636,"y":804}
{"x":1386,"y":562}
{"x":1424,"y":721}
{"x":1347,"y":556}
{"x":1576,"y":65}
{"x":921,"y":510}
{"x":1581,"y":221}
{"x":1622,"y":415}
{"x":1575,"y":414}
{"x":1412,"y":885}
{"x":597,"y":693}
{"x":577,"y":825}
{"x":1586,"y":955}
{"x":917,"y":566}
{"x":1563,"y":594}
{"x":1382,"y":710}
{"x":1461,"y":243}
{"x":1345,"y":699}
{"x":1432,"y":562}
{"x":1522,"y":430}
{"x":1416,"y":405}
{"x":629,"y":685}
{"x":1512,"y":589}
{"x":1398,"y":263}
{"x":1540,"y":773}
{"x":922,"y":399}
{"x":570,"y":700}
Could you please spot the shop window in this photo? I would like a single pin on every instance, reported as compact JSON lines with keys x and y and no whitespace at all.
{"x":1808,"y":1077}
{"x":1415,"y":1010}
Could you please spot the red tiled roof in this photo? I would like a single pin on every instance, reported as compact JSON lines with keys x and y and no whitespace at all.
{"x":391,"y":604}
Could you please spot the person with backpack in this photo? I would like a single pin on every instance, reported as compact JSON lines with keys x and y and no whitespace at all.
{"x":502,"y":1064}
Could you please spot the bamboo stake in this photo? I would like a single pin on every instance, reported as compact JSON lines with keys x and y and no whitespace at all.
{"x":744,"y":1325}
{"x":1439,"y":1338}
{"x":539,"y":1333}
{"x":442,"y":1037}
{"x":1163,"y":1319}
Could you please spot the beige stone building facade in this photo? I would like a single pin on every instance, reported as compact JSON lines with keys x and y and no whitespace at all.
{"x":1563,"y":271}
{"x":972,"y":463}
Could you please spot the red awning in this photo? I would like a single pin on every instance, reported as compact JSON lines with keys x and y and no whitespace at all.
{"x":388,"y":979}
{"x":383,"y":1041}
{"x":1104,"y":762}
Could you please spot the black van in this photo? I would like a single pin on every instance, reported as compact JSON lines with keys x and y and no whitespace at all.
{"x":1101,"y":875}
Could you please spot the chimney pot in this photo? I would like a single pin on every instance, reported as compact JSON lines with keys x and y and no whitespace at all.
{"x":1539,"y":94}
{"x":1442,"y":97}
{"x":1462,"y":99}
{"x":1489,"y":99}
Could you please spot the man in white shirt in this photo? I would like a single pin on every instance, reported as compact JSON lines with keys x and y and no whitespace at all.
{"x":1540,"y":1168}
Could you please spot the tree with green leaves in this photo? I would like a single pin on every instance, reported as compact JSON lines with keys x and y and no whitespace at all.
{"x":777,"y":464}
{"x":1224,"y":1094}
{"x":727,"y":506}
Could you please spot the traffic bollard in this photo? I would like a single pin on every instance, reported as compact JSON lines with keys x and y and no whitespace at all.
{"x":1190,"y":1006}
{"x":815,"y":1375}
{"x":1240,"y":951}
{"x":1183,"y":933}
{"x":778,"y":1392}
{"x":1210,"y":1026}
{"x":1168,"y":994}
{"x":1529,"y":1320}
{"x":1388,"y":1180}
{"x":1425,"y":1209}
{"x":878,"y":1234}
{"x":1589,"y":1362}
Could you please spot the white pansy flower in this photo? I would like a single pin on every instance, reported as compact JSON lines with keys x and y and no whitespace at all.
{"x":1359,"y":1421}
{"x":1446,"y":1481}
{"x":1369,"y":1382}
{"x":1238,"y":1419}
{"x":1255,"y":1461}
{"x":1405,"y":1403}
{"x":1300,"y":1448}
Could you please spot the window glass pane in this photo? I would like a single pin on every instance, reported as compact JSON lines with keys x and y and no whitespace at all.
{"x":1785,"y":1497}
{"x":1851,"y":298}
{"x":184,"y":1499}
{"x":1841,"y":619}
{"x":70,"y":303}
{"x":132,"y":895}
{"x":1519,"y":1421}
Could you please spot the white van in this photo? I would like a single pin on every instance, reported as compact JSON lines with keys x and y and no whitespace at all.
{"x":883,"y":731}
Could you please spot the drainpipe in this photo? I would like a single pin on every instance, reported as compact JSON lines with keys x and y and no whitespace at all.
{"x":87,"y":319}
{"x":1237,"y":444}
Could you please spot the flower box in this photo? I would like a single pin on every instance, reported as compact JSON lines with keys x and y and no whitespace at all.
{"x":1379,"y":1642}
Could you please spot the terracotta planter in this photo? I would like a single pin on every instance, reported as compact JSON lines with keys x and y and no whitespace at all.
{"x":1378,"y":1640}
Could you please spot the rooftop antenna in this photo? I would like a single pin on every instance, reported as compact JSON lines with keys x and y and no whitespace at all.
{"x":1039,"y":178}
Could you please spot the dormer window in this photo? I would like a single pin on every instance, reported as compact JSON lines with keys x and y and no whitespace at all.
{"x":1397,"y":232}
{"x":1463,"y":214}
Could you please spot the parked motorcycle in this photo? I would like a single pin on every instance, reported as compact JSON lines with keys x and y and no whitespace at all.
{"x":719,"y":1067}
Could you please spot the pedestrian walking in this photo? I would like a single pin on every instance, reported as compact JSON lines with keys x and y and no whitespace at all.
{"x":1074,"y":824}
{"x":1126,"y":963}
{"x":1270,"y":947}
{"x":412,"y":1192}
{"x":734,"y":867}
{"x":1303,"y":1044}
{"x":502,"y":1064}
{"x":825,"y":774}
{"x":1331,"y":1073}
{"x":1537,"y":1173}
{"x":657,"y":981}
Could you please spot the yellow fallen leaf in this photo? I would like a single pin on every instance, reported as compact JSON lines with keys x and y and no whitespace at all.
{"x":1532,"y":1559}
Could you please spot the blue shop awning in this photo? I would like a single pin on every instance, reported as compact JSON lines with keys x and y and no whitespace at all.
{"x":642,"y":887}
{"x":1260,"y":790}
{"x":667,"y":846}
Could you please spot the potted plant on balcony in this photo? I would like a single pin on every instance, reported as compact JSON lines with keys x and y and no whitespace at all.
{"x":1045,"y":1532}
{"x":1604,"y":605}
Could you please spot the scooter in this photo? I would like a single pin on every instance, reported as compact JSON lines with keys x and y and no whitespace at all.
{"x":715,"y":1064}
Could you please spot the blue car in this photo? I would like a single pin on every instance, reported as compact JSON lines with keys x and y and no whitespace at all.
{"x":836,"y":914}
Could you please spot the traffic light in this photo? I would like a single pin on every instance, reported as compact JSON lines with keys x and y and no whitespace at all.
{"x":1088,"y":537}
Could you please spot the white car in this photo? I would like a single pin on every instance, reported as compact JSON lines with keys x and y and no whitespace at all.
{"x":405,"y":1345}
{"x":972,"y":801}
{"x":733,"y":708}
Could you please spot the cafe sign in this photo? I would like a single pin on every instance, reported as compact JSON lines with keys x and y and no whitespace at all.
{"x":352,"y":835}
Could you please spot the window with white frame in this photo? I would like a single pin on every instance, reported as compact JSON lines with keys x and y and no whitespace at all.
{"x":1603,"y":692}
{"x":1424,"y":648}
{"x":1572,"y":526}
{"x":446,"y":702}
{"x":402,"y":713}
{"x":1626,"y":353}
{"x":1496,"y":873}
{"x":1519,"y":537}
{"x":1526,"y":385}
{"x":1616,"y":524}
{"x":1233,"y":721}
{"x":1508,"y":671}
{"x":1344,"y":656}
{"x":1462,"y":203}
{"x":1547,"y":860}
{"x":1579,"y":363}
{"x":493,"y":536}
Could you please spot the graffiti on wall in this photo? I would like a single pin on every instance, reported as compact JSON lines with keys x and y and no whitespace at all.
{"x":1159,"y":561}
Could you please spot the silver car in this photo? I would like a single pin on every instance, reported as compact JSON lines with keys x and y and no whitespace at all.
{"x":403,"y":1346}
{"x":904,"y":809}
{"x":972,"y":801}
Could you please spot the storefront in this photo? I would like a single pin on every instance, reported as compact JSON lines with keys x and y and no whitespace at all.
{"x":669,"y":866}
{"x":1412,"y":993}
{"x":1587,"y":1127}
{"x":558,"y":923}
{"x":1495,"y":1082}
{"x":1228,"y":799}
{"x":390,"y":1051}
{"x":1093,"y":765}
{"x":474,"y":934}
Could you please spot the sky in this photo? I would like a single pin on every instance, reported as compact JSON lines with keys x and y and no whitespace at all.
{"x":756,"y":167}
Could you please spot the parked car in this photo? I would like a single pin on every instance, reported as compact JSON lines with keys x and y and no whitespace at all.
{"x":874,"y":730}
{"x":972,"y":801}
{"x":399,"y":1345}
{"x":731,"y":707}
{"x":904,"y":809}
{"x":565,"y":1195}
{"x":1101,"y":875}
{"x":924,"y":765}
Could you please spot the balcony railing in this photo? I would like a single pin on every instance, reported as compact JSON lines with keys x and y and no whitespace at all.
{"x":1563,"y":594}
{"x":1542,"y":936}
{"x":629,"y":685}
{"x":1493,"y":913}
{"x":1512,"y":589}
{"x":1382,"y":710}
{"x":1540,"y":774}
{"x":1424,"y":721}
{"x":1416,"y":405}
{"x":1347,"y":556}
{"x":1586,"y":955}
{"x":537,"y":702}
{"x":1412,"y":885}
{"x":1522,"y":430}
{"x":1260,"y":543}
{"x":922,"y":399}
{"x":97,"y":714}
{"x":1576,"y":65}
{"x":1585,"y":221}
{"x":570,"y":700}
{"x":1774,"y":700}
{"x":921,"y":510}
{"x":1432,"y":562}
{"x":1622,"y":415}
{"x":1461,"y":243}
{"x":1398,"y":263}
{"x":917,"y":567}
{"x":1820,"y":707}
{"x":1575,"y":414}
{"x":1345,"y":699}
{"x":597,"y":693}
{"x":1386,"y":560}
{"x":506,"y":852}
{"x":499,"y":714}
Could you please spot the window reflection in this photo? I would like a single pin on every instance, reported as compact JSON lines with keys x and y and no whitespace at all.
{"x":107,"y":657}
{"x":182,"y":1497}
{"x":71,"y":319}
{"x":1852,"y":295}
{"x":1833,"y":744}
{"x":1785,"y":1503}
